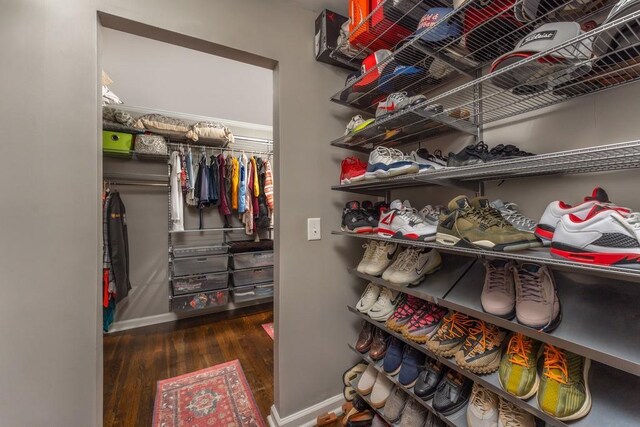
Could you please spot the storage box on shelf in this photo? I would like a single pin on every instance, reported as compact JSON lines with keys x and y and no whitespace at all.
{"x":251,"y":270}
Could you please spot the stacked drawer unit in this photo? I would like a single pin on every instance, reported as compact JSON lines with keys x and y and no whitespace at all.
{"x":251,"y":270}
{"x":199,"y":277}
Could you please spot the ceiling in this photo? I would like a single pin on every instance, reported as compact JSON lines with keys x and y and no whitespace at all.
{"x":340,"y":6}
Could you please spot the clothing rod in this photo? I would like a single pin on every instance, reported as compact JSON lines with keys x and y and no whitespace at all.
{"x":137,"y":183}
{"x":221,"y":149}
{"x":252,"y":139}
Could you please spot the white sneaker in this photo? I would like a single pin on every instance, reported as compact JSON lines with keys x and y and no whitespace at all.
{"x":429,"y":162}
{"x":381,"y":391}
{"x":417,"y":263}
{"x":366,"y":257}
{"x":355,"y":122}
{"x":537,"y":303}
{"x":367,"y":380}
{"x":498,"y":293}
{"x":387,"y":162}
{"x":384,"y":306}
{"x":368,"y":298}
{"x":430,"y":214}
{"x":403,"y":221}
{"x":395,"y":102}
{"x":381,"y":258}
{"x":482,"y":410}
{"x":394,"y":265}
{"x":512,"y":416}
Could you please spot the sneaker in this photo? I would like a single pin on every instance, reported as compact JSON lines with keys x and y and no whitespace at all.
{"x":483,"y":204}
{"x":385,"y":305}
{"x":423,"y":164}
{"x":359,"y":413}
{"x":417,"y":263}
{"x":464,"y":225}
{"x":564,"y":387}
{"x":379,"y":344}
{"x":387,"y":162}
{"x":518,"y":373}
{"x":481,"y":351}
{"x":367,"y":380}
{"x":452,"y":393}
{"x":354,"y":220}
{"x":605,"y":237}
{"x":537,"y":303}
{"x":395,"y":404}
{"x":426,"y":160}
{"x":381,"y":391}
{"x":414,"y":415}
{"x":393,"y":357}
{"x":352,"y":170}
{"x":365,"y":337}
{"x":424,"y":323}
{"x":402,"y":221}
{"x":370,"y":248}
{"x":396,"y":264}
{"x":430,"y":214}
{"x":372,"y":212}
{"x":368,"y":298}
{"x":381,"y":258}
{"x":498,"y":293}
{"x":412,"y":363}
{"x":509,"y":211}
{"x":512,"y":416}
{"x":403,"y":313}
{"x":353,"y":372}
{"x":556,"y":210}
{"x":396,"y":102}
{"x":505,"y":152}
{"x":357,"y":124}
{"x":428,"y":379}
{"x":451,"y":334}
{"x":482,"y":410}
{"x":470,"y":155}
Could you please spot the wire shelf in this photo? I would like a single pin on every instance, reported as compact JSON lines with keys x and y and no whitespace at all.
{"x":459,"y":42}
{"x":556,"y":75}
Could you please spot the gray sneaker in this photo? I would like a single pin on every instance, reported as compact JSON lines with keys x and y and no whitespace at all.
{"x":537,"y":303}
{"x":415,"y":415}
{"x":509,"y":211}
{"x":395,"y":404}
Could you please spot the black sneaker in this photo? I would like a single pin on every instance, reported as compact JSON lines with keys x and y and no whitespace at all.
{"x":429,"y":379}
{"x":354,"y":219}
{"x":452,"y":394}
{"x":470,"y":155}
{"x":437,"y":162}
{"x":504,"y":152}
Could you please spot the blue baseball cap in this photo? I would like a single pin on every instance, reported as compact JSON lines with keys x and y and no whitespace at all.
{"x":438,"y":32}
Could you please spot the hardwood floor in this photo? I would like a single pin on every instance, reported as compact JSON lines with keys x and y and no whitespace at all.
{"x":135,"y":360}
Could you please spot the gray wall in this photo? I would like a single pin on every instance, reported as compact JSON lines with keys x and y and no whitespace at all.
{"x":50,"y":357}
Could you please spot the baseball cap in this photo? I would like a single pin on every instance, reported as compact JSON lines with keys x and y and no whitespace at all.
{"x":530,"y":10}
{"x":372,"y":67}
{"x":611,"y":39}
{"x":502,"y":32}
{"x":431,"y":30}
{"x":402,"y":76}
{"x":572,"y":60}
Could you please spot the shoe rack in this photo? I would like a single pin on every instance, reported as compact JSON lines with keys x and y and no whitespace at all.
{"x":600,"y":317}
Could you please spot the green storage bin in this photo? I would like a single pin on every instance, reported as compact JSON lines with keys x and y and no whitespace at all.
{"x":117,"y":142}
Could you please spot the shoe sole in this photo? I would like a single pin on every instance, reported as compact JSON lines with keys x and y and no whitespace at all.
{"x":352,"y":179}
{"x":395,"y":326}
{"x":391,"y":172}
{"x":455,"y":408}
{"x":358,"y":230}
{"x":395,"y":372}
{"x":443,"y":352}
{"x":546,"y":327}
{"x":377,"y":405}
{"x":597,"y":258}
{"x":486,"y":369}
{"x":509,"y":316}
{"x":413,"y":236}
{"x":450,"y":240}
{"x":586,"y":407}
{"x":420,"y":339}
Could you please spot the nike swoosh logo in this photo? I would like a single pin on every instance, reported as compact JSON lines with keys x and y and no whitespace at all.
{"x":419,"y":270}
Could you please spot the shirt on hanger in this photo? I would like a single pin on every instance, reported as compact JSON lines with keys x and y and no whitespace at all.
{"x":223,"y":206}
{"x":235,"y":180}
{"x":242,"y":187}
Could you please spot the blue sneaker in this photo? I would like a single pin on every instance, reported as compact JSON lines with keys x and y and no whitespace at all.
{"x":387,"y":162}
{"x":393,"y":358}
{"x":412,"y":364}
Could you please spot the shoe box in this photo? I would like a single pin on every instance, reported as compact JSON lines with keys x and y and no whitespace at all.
{"x":328,"y":25}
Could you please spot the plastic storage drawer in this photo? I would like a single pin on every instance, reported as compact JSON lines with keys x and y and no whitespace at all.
{"x":117,"y":142}
{"x":191,"y":266}
{"x":250,"y":293}
{"x":198,"y":251}
{"x":206,"y":282}
{"x":251,"y":276}
{"x":199,"y":301}
{"x":252,"y":260}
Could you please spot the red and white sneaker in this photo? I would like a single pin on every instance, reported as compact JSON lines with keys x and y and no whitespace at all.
{"x":403,"y":221}
{"x":605,"y":236}
{"x":352,"y":170}
{"x":556,"y":210}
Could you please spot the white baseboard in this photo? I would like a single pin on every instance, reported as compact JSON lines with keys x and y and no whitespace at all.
{"x":306,"y":417}
{"x":123,"y":325}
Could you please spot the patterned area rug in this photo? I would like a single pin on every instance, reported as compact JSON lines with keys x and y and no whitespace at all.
{"x":217,"y":396}
{"x":268,"y":328}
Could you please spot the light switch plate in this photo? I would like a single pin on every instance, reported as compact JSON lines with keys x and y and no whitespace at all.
{"x":313,"y":228}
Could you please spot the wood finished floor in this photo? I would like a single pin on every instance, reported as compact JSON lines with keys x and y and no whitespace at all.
{"x":135,"y":360}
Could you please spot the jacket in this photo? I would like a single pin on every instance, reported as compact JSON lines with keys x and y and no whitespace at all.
{"x":118,"y":244}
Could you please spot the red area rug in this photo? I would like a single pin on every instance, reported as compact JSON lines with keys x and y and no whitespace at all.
{"x":268,"y":328}
{"x":217,"y":396}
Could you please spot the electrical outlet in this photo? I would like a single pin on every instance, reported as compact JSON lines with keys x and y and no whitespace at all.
{"x":313,"y":228}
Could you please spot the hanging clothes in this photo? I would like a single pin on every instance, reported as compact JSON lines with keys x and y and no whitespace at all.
{"x":191,"y":178}
{"x":256,"y":188}
{"x":202,"y":187}
{"x":118,"y":244}
{"x":227,"y":179}
{"x":177,"y":208}
{"x":223,"y":206}
{"x":268,"y":184}
{"x":235,"y":180}
{"x":242,"y":186}
{"x":184,"y":183}
{"x":247,"y":217}
{"x":215,"y":180}
{"x":262,"y":217}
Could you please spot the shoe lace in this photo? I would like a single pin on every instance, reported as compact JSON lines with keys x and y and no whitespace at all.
{"x":519,"y":349}
{"x":438,"y":155}
{"x":369,"y":292}
{"x":411,"y":215}
{"x":385,"y":297}
{"x":483,"y":399}
{"x":397,"y":96}
{"x":380,"y":251}
{"x":410,"y":259}
{"x":486,"y":336}
{"x":429,"y":211}
{"x":455,"y":325}
{"x":510,"y":415}
{"x":497,"y":277}
{"x":633,"y":219}
{"x":555,"y":364}
{"x":530,"y":289}
{"x":510,"y":210}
